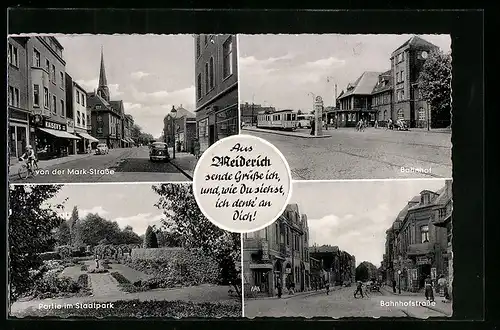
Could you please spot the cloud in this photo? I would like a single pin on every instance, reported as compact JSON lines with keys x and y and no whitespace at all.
{"x":139,"y":222}
{"x":139,"y":74}
{"x":92,"y":84}
{"x":325,"y":63}
{"x":95,"y":210}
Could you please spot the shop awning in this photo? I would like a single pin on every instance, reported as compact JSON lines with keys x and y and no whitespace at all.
{"x":131,"y":141}
{"x":123,"y":140}
{"x":261,"y":266}
{"x":60,"y":134}
{"x":87,"y":136}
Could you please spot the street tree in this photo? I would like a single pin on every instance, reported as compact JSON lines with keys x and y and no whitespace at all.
{"x":183,"y":217}
{"x":168,"y":238}
{"x":74,"y":226}
{"x":150,"y":241}
{"x":95,"y":228}
{"x":434,"y":83}
{"x":31,"y":224}
{"x":362,"y":273}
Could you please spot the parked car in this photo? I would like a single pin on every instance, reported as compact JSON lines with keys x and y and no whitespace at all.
{"x":158,"y":151}
{"x":102,"y":149}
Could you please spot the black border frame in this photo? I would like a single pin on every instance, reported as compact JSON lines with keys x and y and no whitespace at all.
{"x":467,"y":30}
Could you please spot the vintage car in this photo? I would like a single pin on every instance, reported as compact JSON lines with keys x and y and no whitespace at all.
{"x":101,"y":149}
{"x":158,"y":151}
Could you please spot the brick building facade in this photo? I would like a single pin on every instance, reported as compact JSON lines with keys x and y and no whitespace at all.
{"x":339,"y":267}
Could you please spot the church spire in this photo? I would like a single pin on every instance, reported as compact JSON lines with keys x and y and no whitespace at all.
{"x":102,"y":89}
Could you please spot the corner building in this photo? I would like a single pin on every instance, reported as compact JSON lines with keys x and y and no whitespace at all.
{"x":216,"y":74}
{"x":278,"y":253}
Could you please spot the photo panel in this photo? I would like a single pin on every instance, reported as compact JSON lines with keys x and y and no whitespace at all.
{"x":354,"y":249}
{"x":350,"y":106}
{"x":94,"y":250}
{"x":117,"y":108}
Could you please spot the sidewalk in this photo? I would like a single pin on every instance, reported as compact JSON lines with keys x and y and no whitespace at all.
{"x":297,"y":294}
{"x":286,"y":133}
{"x":14,"y":168}
{"x":184,"y":162}
{"x":440,"y":307}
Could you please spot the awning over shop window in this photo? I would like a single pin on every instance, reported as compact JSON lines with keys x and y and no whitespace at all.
{"x":123,"y":140}
{"x":130,"y":140}
{"x":87,"y":136}
{"x":60,"y":134}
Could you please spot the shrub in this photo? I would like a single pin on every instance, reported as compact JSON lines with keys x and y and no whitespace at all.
{"x":155,"y":308}
{"x":125,"y":284}
{"x":84,"y":268}
{"x":51,"y":285}
{"x":83,"y":281}
{"x":120,"y":278}
{"x":52,"y":255}
{"x":106,"y":266}
{"x":98,"y":271}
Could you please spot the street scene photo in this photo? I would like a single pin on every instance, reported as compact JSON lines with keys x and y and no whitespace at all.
{"x":95,"y":251}
{"x":117,"y":108}
{"x":354,"y":249}
{"x":350,"y":106}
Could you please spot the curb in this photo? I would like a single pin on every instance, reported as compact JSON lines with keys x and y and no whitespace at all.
{"x":287,"y":134}
{"x":181,"y":170}
{"x":445,"y":313}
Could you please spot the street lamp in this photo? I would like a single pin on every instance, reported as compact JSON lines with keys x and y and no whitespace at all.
{"x":399,"y":281}
{"x":173,"y":113}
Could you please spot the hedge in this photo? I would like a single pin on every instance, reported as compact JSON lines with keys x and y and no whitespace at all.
{"x":142,"y":309}
{"x":51,"y":255}
{"x":182,"y":266}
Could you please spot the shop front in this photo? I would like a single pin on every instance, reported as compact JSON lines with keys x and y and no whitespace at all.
{"x":51,"y":138}
{"x":19,"y":133}
{"x":87,"y":142}
{"x":214,"y":123}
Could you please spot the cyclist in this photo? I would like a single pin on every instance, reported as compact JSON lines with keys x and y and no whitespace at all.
{"x":29,"y":157}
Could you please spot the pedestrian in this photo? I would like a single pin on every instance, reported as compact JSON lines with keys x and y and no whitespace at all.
{"x":429,"y":292}
{"x":394,"y":286}
{"x":279,"y":288}
{"x":197,"y":148}
{"x":359,"y":289}
{"x":292,"y":288}
{"x":376,"y":123}
{"x":313,"y":127}
{"x":97,"y":261}
{"x":327,"y":286}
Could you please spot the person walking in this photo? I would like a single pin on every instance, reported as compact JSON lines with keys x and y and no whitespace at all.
{"x":359,"y":289}
{"x":97,"y":261}
{"x":429,"y":292}
{"x":196,"y":148}
{"x":394,"y":286}
{"x":279,"y":288}
{"x":327,"y":287}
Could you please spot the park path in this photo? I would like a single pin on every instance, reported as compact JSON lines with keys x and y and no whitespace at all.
{"x":103,"y":285}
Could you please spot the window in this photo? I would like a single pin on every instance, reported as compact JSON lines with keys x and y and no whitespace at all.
{"x":425,"y":199}
{"x":13,"y":56}
{"x":205,"y":39}
{"x":77,"y":97}
{"x":61,"y":77}
{"x":211,"y":73}
{"x":449,"y":229}
{"x":13,"y":96}
{"x":53,"y":72}
{"x":207,"y":88}
{"x":402,"y":76}
{"x":198,"y":87}
{"x":83,"y":119}
{"x":63,"y":110}
{"x":442,"y":213}
{"x":36,"y":58}
{"x":227,"y":61}
{"x":83,"y":99}
{"x":54,"y":104}
{"x":47,"y":66}
{"x":198,"y":46}
{"x":400,"y":93}
{"x":424,"y":233}
{"x":36,"y":95}
{"x":46,"y":97}
{"x":421,"y":114}
{"x":401,"y":114}
{"x":88,"y":120}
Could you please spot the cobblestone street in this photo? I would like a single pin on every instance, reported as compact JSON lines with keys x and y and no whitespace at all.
{"x":339,"y":303}
{"x":372,"y":154}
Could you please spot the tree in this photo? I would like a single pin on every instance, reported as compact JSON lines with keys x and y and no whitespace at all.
{"x":434,"y":83}
{"x":362,"y":273}
{"x":183,"y":217}
{"x":299,"y":112}
{"x":31,"y":225}
{"x":95,"y":228}
{"x":74,"y":226}
{"x":63,"y":234}
{"x":168,"y":238}
{"x":150,"y":241}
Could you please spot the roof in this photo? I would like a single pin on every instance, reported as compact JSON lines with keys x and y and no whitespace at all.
{"x":118,"y":105}
{"x":444,"y":196}
{"x":380,"y":86}
{"x":324,"y":249}
{"x":94,"y":98}
{"x":363,"y":85}
{"x":416,"y":41}
{"x":181,"y":112}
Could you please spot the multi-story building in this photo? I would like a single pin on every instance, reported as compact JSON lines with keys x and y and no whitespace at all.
{"x":393,"y":94}
{"x":339,"y":267}
{"x":417,"y":245}
{"x":184,"y":126}
{"x":19,"y":96}
{"x":47,"y":90}
{"x":78,"y":116}
{"x":216,"y":74}
{"x":278,"y":253}
{"x":106,"y":115}
{"x":128,"y":124}
{"x":249,"y":112}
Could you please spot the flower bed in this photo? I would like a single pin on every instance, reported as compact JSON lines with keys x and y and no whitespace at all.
{"x":136,"y":308}
{"x":98,"y":271}
{"x":125,"y":284}
{"x":84,"y":268}
{"x":53,"y":286}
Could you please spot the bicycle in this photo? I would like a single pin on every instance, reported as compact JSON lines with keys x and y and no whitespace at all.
{"x":26,"y":170}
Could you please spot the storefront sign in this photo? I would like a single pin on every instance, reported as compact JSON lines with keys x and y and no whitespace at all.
{"x":433,"y":273}
{"x":414,"y":274}
{"x":55,"y":126}
{"x":70,"y":125}
{"x":422,"y":261}
{"x":265,"y":250}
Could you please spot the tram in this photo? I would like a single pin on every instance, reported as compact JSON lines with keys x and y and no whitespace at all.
{"x":279,"y":120}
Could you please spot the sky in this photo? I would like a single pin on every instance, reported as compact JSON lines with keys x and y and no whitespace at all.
{"x":150,"y":73}
{"x":127,"y":204}
{"x":354,"y":215}
{"x":287,"y":71}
